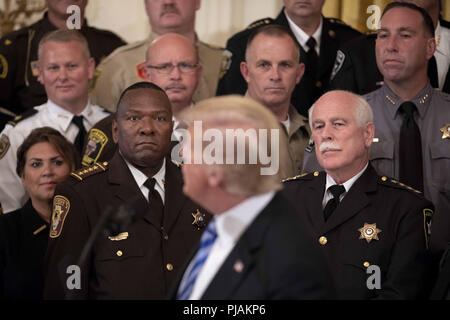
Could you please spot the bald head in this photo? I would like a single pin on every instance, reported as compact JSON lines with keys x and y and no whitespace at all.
{"x":172,"y":64}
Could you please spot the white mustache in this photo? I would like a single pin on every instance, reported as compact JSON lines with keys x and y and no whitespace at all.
{"x":329,"y":145}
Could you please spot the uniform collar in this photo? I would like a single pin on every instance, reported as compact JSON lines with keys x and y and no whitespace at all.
{"x":63,"y":117}
{"x":302,"y":37}
{"x":421,"y":100}
{"x":32,"y":221}
{"x":140,"y":177}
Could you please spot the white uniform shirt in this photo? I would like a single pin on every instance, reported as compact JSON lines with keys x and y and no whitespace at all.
{"x":12,"y":193}
{"x":230,"y":226}
{"x":302,"y":37}
{"x":442,"y":53}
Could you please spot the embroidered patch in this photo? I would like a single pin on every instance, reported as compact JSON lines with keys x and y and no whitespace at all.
{"x":97,"y":140}
{"x":340,"y":58}
{"x":4,"y":145}
{"x":61,"y":207}
{"x":141,"y":70}
{"x":3,"y":67}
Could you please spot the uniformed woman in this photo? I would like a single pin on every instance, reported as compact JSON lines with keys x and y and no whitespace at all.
{"x":44,"y":159}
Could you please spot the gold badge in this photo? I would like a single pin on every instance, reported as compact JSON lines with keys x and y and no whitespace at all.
{"x":4,"y":145}
{"x":3,"y":67}
{"x":199,"y":219}
{"x":120,"y":236}
{"x":369,"y":232}
{"x":34,"y":68}
{"x":446,"y":131}
{"x":61,"y":206}
{"x":97,"y":140}
{"x":427,"y":216}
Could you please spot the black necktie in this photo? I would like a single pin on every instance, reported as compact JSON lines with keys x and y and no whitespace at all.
{"x":410,"y":166}
{"x":336,"y":190}
{"x":79,"y":139}
{"x":154,"y":200}
{"x":313,"y":58}
{"x":433,"y":72}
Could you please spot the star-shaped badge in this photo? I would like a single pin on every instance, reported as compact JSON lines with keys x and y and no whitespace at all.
{"x":199,"y":219}
{"x":446,"y":131}
{"x":369,"y":232}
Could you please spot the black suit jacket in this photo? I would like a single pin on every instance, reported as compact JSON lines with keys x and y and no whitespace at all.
{"x":279,"y":259}
{"x":141,"y":266}
{"x":311,"y":87}
{"x":401,"y":251}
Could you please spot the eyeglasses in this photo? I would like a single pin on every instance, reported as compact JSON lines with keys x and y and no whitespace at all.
{"x":167,"y":68}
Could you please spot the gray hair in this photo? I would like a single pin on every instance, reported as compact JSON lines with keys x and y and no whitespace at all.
{"x":63,"y":36}
{"x":362,"y":111}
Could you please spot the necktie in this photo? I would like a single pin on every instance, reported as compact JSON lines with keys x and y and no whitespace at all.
{"x":336,"y":191}
{"x":433,"y":72}
{"x":206,"y":244}
{"x":154,"y":200}
{"x":410,"y":165}
{"x":79,"y":139}
{"x":313,"y":58}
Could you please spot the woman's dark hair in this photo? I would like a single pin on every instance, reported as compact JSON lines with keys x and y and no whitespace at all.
{"x":52,"y":136}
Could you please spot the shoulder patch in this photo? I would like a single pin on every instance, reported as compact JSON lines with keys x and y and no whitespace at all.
{"x":61,"y":207}
{"x":3,"y":67}
{"x":339,"y":62}
{"x":27,"y":114}
{"x":295,"y":177}
{"x":83,"y":173}
{"x":4,"y":145}
{"x":260,"y":22}
{"x":396,"y":184}
{"x":96,"y":141}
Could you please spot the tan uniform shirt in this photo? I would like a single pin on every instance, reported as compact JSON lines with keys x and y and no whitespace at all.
{"x":126,"y":65}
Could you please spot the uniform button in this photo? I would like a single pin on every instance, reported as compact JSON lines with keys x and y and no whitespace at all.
{"x":384,"y":178}
{"x":169,"y":266}
{"x":316,"y":173}
{"x":318,"y":84}
{"x":323,"y":240}
{"x":366,"y":264}
{"x":166,"y":237}
{"x":119,"y":253}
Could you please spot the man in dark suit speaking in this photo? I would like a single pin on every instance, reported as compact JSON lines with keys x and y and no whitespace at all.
{"x":255,"y":247}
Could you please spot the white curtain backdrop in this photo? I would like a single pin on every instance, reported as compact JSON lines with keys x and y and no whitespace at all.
{"x":216,"y":20}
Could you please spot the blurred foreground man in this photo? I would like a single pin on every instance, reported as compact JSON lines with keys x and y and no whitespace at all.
{"x":366,"y":224}
{"x":255,"y":247}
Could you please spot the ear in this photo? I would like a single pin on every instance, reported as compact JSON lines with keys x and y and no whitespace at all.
{"x":40,"y":75}
{"x":369,"y":133}
{"x":91,"y":68}
{"x":244,"y":70}
{"x":115,"y":132}
{"x":300,"y":72}
{"x":214,"y":175}
{"x":431,"y":47}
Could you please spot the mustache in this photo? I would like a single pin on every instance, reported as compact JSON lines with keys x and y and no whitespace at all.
{"x":169,"y":8}
{"x":329,"y":145}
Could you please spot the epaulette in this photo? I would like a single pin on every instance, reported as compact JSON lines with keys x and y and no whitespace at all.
{"x":259,"y":23}
{"x":338,"y":21}
{"x":11,"y":37}
{"x":23,"y":116}
{"x":306,"y":176}
{"x":85,"y":172}
{"x":396,"y":184}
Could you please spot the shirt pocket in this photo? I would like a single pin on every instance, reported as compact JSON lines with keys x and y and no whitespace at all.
{"x":110,"y":250}
{"x":382,"y":157}
{"x":440,"y":165}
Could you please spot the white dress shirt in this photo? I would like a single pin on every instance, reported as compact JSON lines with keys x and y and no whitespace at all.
{"x":302,"y":37}
{"x":442,"y":53}
{"x":347,"y":185}
{"x":12,"y":192}
{"x":140,"y":179}
{"x":230,"y":226}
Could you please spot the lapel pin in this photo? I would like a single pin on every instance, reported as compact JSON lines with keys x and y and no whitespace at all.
{"x":369,"y":232}
{"x":238,"y":266}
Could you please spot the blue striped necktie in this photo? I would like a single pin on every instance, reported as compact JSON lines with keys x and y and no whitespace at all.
{"x":206,"y":243}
